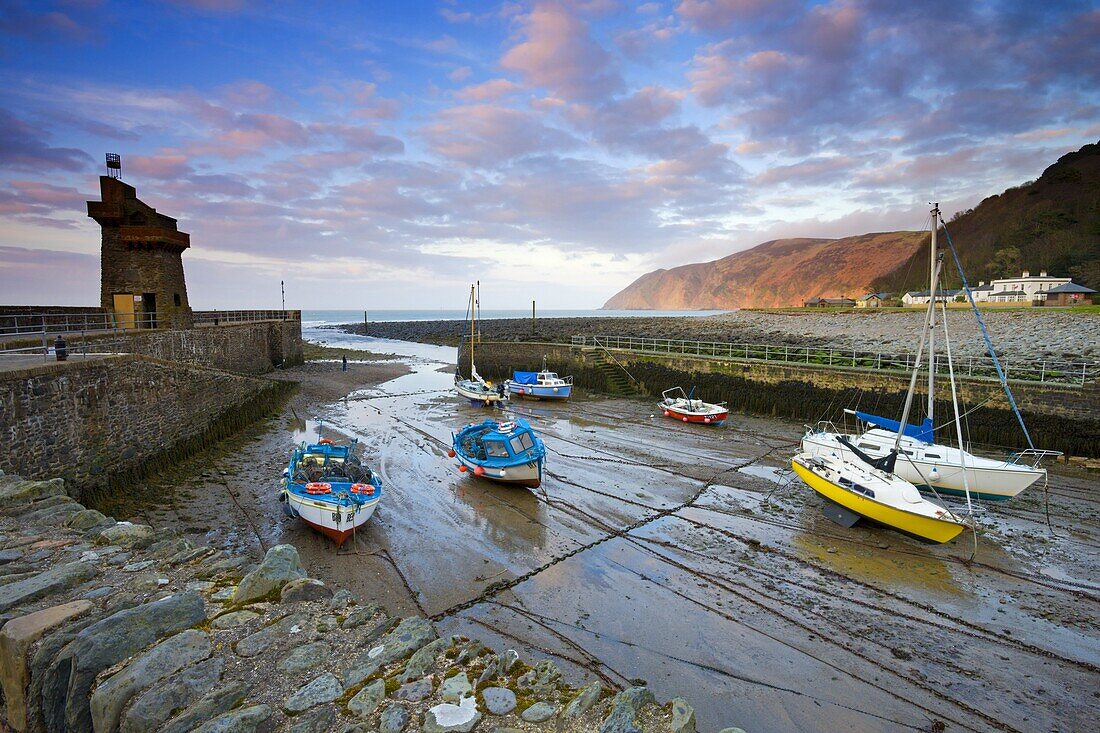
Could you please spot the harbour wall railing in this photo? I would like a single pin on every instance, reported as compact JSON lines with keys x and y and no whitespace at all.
{"x":1078,"y":373}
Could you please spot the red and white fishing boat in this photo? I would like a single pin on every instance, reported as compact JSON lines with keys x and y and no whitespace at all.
{"x":680,"y":406}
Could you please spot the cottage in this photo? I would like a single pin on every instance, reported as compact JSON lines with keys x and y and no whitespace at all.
{"x":921,"y":297}
{"x":1067,"y":294}
{"x":872,"y":300}
{"x":829,"y":303}
{"x":1023,"y":289}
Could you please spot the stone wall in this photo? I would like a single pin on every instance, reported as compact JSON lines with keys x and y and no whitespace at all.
{"x":1058,"y":417}
{"x":248,"y":348}
{"x":103,"y":422}
{"x":112,"y":626}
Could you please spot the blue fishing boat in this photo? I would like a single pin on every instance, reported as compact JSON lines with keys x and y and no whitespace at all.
{"x":508,"y":452}
{"x":327,"y":487}
{"x":542,"y":385}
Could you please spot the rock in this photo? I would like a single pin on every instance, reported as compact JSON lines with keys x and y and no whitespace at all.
{"x":163,"y":660}
{"x":732,"y":730}
{"x":12,"y":555}
{"x":340,"y":600}
{"x":318,"y":720}
{"x":16,"y":638}
{"x":24,"y":492}
{"x":202,"y":586}
{"x":94,"y":593}
{"x":209,"y":706}
{"x":448,"y":718}
{"x":539,"y":712}
{"x":423,"y":661}
{"x":234,"y":618}
{"x":455,"y":688}
{"x":625,"y":709}
{"x":225,"y":594}
{"x":48,"y":582}
{"x":393,"y":719}
{"x":542,"y":681}
{"x":69,"y":678}
{"x":244,"y":720}
{"x":171,"y":547}
{"x":189,"y":555}
{"x":304,"y":589}
{"x":499,"y":700}
{"x":506,"y":661}
{"x":129,"y":536}
{"x":87,"y":519}
{"x":280,"y":566}
{"x":153,"y":707}
{"x":136,"y":566}
{"x":284,"y":628}
{"x":54,"y":516}
{"x":361,"y":615}
{"x":414,"y":691}
{"x":367,"y":700}
{"x":583,"y":702}
{"x":317,"y":691}
{"x":683,"y":716}
{"x":409,"y":636}
{"x":304,"y":657}
{"x":470,"y":650}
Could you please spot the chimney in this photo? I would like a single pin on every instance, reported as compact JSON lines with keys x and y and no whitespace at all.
{"x":981,"y":283}
{"x":1043,"y":273}
{"x":1026,"y":274}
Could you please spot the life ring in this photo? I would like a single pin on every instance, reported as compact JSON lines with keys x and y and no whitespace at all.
{"x":367,"y":489}
{"x":325,"y":441}
{"x":318,"y":488}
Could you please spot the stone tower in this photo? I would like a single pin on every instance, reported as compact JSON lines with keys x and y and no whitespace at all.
{"x":142,"y":280}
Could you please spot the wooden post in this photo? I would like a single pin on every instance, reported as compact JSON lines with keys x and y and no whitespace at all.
{"x":532,"y":318}
{"x":364,"y":323}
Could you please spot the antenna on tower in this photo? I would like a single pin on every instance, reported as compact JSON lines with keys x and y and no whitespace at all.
{"x":114,"y":165}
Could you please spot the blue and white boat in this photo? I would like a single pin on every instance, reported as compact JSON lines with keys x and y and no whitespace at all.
{"x":542,"y":385}
{"x":327,"y":487}
{"x":476,"y":389}
{"x":508,"y":452}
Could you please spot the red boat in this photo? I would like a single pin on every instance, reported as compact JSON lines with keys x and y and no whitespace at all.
{"x":680,"y":406}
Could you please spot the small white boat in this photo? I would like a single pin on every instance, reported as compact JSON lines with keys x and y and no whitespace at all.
{"x":543,"y":385}
{"x":680,"y":406}
{"x":476,"y":389}
{"x":856,"y":490}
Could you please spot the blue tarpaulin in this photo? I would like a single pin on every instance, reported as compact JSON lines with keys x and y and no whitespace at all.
{"x":922,"y":432}
{"x":525,"y":377}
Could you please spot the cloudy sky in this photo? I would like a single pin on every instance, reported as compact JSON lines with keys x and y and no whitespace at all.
{"x":385,"y":154}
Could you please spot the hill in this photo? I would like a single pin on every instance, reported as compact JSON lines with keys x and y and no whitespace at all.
{"x":1051,"y":224}
{"x":782,"y":272}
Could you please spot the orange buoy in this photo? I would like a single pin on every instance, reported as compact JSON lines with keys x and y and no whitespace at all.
{"x":479,"y":471}
{"x":451,"y":453}
{"x":462,"y":468}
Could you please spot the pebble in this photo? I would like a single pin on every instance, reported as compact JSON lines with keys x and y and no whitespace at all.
{"x":539,"y":712}
{"x":317,"y":691}
{"x":414,"y":691}
{"x":367,"y":700}
{"x":236,"y":618}
{"x":393,"y":719}
{"x":304,"y":657}
{"x":455,"y":688}
{"x":448,"y":718}
{"x":499,"y":700}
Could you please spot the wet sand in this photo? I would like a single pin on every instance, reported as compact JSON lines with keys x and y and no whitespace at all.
{"x":748,"y":602}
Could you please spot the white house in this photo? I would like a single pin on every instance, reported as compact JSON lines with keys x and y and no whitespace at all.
{"x":921,"y":297}
{"x":1023,"y":289}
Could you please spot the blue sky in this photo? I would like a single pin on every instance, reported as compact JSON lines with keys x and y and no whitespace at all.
{"x":384,"y":155}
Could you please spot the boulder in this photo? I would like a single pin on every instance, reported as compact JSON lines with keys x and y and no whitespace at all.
{"x":542,"y":681}
{"x":284,"y":628}
{"x":625,"y":709}
{"x":539,"y":712}
{"x":233,"y":618}
{"x":361,"y":615}
{"x":455,"y":688}
{"x":367,"y":700}
{"x":209,"y":706}
{"x":499,"y":700}
{"x":16,"y":638}
{"x":48,"y":582}
{"x":319,"y":690}
{"x":127,"y":535}
{"x":52,"y":516}
{"x":280,"y":565}
{"x":414,"y":691}
{"x":409,"y":636}
{"x":583,"y":702}
{"x":423,"y":661}
{"x":304,"y":657}
{"x":448,"y":718}
{"x":24,"y":492}
{"x":87,"y":519}
{"x":304,"y":589}
{"x":153,"y":707}
{"x":683,"y":716}
{"x":318,"y":720}
{"x":69,"y":678}
{"x":341,"y":599}
{"x":393,"y":719}
{"x":244,"y":720}
{"x":163,"y":660}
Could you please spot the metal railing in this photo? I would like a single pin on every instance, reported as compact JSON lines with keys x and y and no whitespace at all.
{"x":221,"y":318}
{"x":976,"y":367}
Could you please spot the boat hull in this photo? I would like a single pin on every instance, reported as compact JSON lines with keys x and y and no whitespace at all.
{"x":335,"y":521}
{"x":712,"y":418}
{"x":524,"y":474}
{"x":921,"y":527}
{"x":535,"y":392}
{"x":989,"y":483}
{"x":486,"y":398}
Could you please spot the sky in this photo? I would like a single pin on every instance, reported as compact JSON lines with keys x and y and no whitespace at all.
{"x":387,"y":154}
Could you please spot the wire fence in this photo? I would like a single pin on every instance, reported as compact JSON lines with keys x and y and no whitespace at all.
{"x":1076,"y":373}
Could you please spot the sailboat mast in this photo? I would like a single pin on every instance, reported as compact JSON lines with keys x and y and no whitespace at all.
{"x":473,"y":317}
{"x":933,"y":272}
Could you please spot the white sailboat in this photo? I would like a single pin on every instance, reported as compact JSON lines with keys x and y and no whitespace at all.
{"x":921,"y":460}
{"x":476,"y":389}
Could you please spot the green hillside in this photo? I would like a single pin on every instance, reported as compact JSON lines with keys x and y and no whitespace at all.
{"x":1050,"y":224}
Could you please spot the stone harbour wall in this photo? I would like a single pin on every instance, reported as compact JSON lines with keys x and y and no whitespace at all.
{"x":104,"y":422}
{"x":1062,"y":418}
{"x":109,"y":626}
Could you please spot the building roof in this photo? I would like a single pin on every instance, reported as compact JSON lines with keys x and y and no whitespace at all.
{"x":880,"y":296}
{"x":939,"y":293}
{"x":981,"y":288}
{"x":1070,"y":288}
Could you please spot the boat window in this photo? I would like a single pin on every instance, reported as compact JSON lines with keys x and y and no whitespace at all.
{"x":868,"y":446}
{"x":907,"y":452}
{"x":522,"y":442}
{"x":550,"y":375}
{"x":495,"y":448}
{"x":931,"y":455}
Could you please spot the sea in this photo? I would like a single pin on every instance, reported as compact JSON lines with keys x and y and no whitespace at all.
{"x":327,"y":317}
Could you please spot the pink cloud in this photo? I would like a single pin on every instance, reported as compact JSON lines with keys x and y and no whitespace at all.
{"x":559,"y":53}
{"x":248,"y":93}
{"x":486,"y":135}
{"x":487,"y":91}
{"x":460,"y":74}
{"x":712,"y":15}
{"x":158,"y":166}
